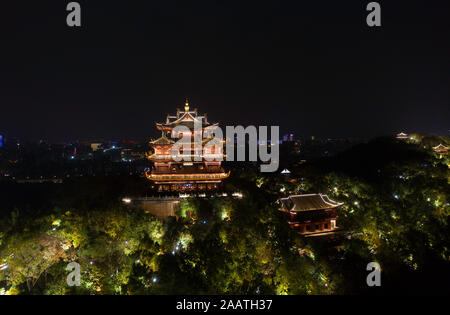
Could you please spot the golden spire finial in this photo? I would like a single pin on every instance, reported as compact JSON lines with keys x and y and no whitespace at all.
{"x":186,"y":105}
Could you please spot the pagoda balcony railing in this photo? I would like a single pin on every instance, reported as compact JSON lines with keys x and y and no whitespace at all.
{"x":191,"y":157}
{"x":215,"y":176}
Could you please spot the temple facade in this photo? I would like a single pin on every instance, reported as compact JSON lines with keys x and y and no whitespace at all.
{"x":310,"y":214}
{"x":193,"y":166}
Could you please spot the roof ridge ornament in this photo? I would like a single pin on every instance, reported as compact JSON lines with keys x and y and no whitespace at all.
{"x":186,"y":105}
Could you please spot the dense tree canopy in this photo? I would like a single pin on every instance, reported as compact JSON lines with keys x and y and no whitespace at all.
{"x":396,"y":212}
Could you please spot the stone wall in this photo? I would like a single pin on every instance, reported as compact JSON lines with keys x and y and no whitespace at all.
{"x":159,"y":207}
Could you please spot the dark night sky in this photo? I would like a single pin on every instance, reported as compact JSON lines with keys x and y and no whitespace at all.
{"x":312,"y":67}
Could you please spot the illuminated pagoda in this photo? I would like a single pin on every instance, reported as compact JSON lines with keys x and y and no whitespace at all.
{"x":402,"y":136}
{"x":201,"y":170}
{"x":441,"y":149}
{"x":310,"y":214}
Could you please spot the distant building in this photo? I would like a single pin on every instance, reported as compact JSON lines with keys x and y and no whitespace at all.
{"x":203,"y":171}
{"x":402,"y":136}
{"x":285,"y":172}
{"x":441,"y":149}
{"x":95,"y":146}
{"x":287,"y":138}
{"x":310,"y":214}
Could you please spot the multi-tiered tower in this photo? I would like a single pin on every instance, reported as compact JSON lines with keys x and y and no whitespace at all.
{"x":200,"y":168}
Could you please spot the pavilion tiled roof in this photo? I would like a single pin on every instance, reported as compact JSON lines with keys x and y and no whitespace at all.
{"x":163,"y":140}
{"x":308,"y":202}
{"x":440,"y":146}
{"x":186,"y":118}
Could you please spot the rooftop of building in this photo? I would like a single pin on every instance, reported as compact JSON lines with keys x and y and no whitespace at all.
{"x":186,"y":118}
{"x":440,"y":146}
{"x":163,"y":140}
{"x":307,"y":202}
